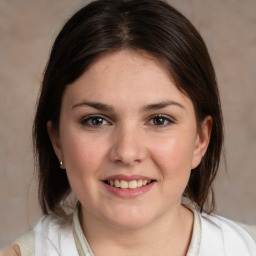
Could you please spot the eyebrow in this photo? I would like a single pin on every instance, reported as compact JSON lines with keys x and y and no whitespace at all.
{"x":161,"y":105}
{"x":96,"y":105}
{"x":108,"y":108}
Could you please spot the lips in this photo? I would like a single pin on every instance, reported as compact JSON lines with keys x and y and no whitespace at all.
{"x":124,"y":184}
{"x":128,"y":186}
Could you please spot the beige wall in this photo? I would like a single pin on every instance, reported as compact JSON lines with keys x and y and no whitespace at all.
{"x":27,"y":29}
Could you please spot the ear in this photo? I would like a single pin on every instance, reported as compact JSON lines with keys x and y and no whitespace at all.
{"x":55,"y":140}
{"x":202,"y":141}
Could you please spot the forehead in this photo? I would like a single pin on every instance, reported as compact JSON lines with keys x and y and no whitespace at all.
{"x":125,"y":75}
{"x":128,"y":64}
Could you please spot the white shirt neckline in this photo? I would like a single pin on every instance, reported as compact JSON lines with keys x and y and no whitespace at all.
{"x":84,"y":249}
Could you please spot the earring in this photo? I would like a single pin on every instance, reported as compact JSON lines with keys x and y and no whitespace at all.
{"x":61,"y":163}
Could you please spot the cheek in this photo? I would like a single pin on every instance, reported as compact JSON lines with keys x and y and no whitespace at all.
{"x":83,"y":157}
{"x":174,"y":156}
{"x":82,"y":154}
{"x":173,"y":159}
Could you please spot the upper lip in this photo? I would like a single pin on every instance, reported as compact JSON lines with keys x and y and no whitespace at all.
{"x":127,"y":177}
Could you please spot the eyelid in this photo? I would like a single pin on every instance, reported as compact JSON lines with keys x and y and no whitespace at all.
{"x":85,"y":119}
{"x":168,"y":118}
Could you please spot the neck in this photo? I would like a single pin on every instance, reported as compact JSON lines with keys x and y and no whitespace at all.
{"x":169,"y":234}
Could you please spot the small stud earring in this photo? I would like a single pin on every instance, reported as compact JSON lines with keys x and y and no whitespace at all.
{"x":61,"y":163}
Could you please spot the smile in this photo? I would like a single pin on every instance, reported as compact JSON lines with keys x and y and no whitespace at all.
{"x":128,"y":186}
{"x":132,"y":184}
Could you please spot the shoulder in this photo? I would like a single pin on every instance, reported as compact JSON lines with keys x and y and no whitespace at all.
{"x":225,"y":236}
{"x":54,"y":236}
{"x":51,"y":236}
{"x":26,"y":243}
{"x":12,"y":250}
{"x":250,"y":229}
{"x":23,"y":246}
{"x":53,"y":227}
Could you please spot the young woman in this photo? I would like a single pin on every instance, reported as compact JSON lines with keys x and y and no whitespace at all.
{"x":129,"y":121}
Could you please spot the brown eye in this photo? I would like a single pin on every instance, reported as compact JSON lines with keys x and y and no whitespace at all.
{"x":95,"y":121}
{"x":160,"y":120}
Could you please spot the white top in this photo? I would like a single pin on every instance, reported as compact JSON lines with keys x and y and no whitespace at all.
{"x":212,"y":236}
{"x":222,"y":237}
{"x":54,"y":238}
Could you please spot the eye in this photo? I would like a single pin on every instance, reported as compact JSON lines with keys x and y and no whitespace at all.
{"x":95,"y":120}
{"x":160,"y":120}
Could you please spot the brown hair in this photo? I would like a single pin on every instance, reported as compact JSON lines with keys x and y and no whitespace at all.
{"x":104,"y":26}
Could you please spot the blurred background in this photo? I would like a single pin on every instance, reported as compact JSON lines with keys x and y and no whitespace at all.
{"x":27,"y":31}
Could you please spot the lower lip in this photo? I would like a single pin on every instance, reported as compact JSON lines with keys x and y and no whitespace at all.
{"x":129,"y":193}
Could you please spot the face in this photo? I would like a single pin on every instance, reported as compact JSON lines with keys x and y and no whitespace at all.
{"x":128,"y":139}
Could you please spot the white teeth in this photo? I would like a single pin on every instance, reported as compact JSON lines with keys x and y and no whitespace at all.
{"x":144,"y":182}
{"x":139,"y":183}
{"x":124,"y":184}
{"x":133,"y":184}
{"x":117,"y":184}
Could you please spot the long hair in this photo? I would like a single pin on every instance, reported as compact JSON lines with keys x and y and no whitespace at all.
{"x":106,"y":26}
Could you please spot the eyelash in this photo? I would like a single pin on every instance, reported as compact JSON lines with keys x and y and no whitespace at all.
{"x":164,"y":118}
{"x":89,"y":121}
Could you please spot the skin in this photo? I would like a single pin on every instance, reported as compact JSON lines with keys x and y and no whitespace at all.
{"x":12,"y":250}
{"x":130,"y":138}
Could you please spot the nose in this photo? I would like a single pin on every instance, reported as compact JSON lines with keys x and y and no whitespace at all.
{"x":128,"y":147}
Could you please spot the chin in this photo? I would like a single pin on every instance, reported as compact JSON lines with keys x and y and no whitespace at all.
{"x":129,"y":220}
{"x":128,"y":224}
